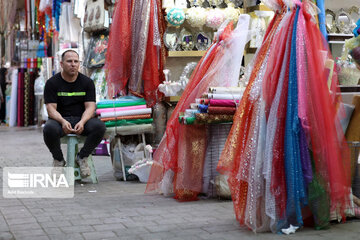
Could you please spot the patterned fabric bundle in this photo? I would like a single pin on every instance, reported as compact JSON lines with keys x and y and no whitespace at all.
{"x":124,"y":111}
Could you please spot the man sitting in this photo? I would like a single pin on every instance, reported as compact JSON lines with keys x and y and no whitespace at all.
{"x":70,"y":103}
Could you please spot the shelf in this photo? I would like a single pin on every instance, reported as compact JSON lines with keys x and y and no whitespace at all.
{"x":345,"y":35}
{"x":260,"y":7}
{"x":186,"y":53}
{"x":350,"y":88}
{"x":172,"y":99}
{"x":338,"y":38}
{"x":336,"y":42}
{"x":251,"y":50}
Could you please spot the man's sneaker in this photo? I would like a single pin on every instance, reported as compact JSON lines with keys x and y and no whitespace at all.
{"x":58,"y":167}
{"x":84,"y":167}
{"x":57,"y":163}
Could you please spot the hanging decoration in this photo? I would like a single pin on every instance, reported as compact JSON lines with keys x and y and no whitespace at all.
{"x":176,"y":16}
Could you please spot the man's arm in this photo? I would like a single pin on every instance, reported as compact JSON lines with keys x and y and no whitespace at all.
{"x":88,"y":113}
{"x":54,"y":114}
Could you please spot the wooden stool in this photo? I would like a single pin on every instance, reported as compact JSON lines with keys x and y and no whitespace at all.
{"x":72,"y":141}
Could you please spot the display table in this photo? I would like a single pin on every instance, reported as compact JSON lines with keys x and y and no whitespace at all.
{"x":114,"y":134}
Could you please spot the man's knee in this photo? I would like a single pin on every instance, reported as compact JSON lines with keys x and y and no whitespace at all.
{"x":51,"y":130}
{"x":98,"y":126}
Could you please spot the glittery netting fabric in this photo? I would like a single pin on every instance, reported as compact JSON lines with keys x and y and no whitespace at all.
{"x":286,"y":155}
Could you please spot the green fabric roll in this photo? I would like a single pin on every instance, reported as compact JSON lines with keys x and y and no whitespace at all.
{"x":125,"y":122}
{"x":127,"y":104}
{"x":190,"y":120}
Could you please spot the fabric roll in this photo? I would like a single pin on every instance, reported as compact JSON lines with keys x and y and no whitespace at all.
{"x":115,"y":105}
{"x":159,"y":115}
{"x":126,"y":113}
{"x":141,"y":116}
{"x":204,"y":101}
{"x":31,"y":117}
{"x":353,"y":130}
{"x":125,"y":122}
{"x":125,"y":99}
{"x":189,"y":120}
{"x":221,"y":110}
{"x":223,"y":102}
{"x":224,"y":96}
{"x":191,"y":112}
{"x":102,"y":110}
{"x":26,"y":99}
{"x":121,"y":102}
{"x":194,"y":105}
{"x":203,"y":108}
{"x":20,"y":95}
{"x":226,"y":90}
{"x":13,"y":101}
{"x":205,"y":118}
{"x":134,"y":129}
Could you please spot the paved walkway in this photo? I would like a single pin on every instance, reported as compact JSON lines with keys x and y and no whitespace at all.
{"x":119,"y":210}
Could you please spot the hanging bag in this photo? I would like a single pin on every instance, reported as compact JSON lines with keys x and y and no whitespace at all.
{"x":95,"y":16}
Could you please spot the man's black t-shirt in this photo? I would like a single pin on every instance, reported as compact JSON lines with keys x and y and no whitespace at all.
{"x":69,"y":97}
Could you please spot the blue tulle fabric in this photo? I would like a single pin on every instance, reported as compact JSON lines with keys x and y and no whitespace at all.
{"x":296,"y":194}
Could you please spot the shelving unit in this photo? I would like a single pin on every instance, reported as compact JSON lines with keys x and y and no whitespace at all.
{"x":186,"y":53}
{"x":260,"y":7}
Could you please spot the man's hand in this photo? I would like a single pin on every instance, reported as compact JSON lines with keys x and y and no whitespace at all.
{"x":66,"y":126}
{"x":79,"y":127}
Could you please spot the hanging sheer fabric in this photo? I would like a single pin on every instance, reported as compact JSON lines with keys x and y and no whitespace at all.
{"x":69,"y":25}
{"x":277,"y":73}
{"x":328,"y":145}
{"x":241,"y":146}
{"x":118,"y":57}
{"x":152,"y":74}
{"x":178,"y":161}
{"x":140,"y":31}
{"x":286,"y":149}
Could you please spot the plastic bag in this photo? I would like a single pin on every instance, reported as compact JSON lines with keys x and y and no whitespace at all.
{"x":95,"y":57}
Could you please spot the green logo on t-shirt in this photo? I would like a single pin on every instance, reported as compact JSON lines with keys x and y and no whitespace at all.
{"x":70,"y":94}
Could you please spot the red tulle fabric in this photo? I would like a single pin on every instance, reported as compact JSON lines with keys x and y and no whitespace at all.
{"x":118,"y":56}
{"x":330,"y":150}
{"x":230,"y":162}
{"x":154,"y":60}
{"x":185,"y":159}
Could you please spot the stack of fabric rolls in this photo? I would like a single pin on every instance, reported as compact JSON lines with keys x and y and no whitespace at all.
{"x":216,"y":106}
{"x":125,"y":111}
